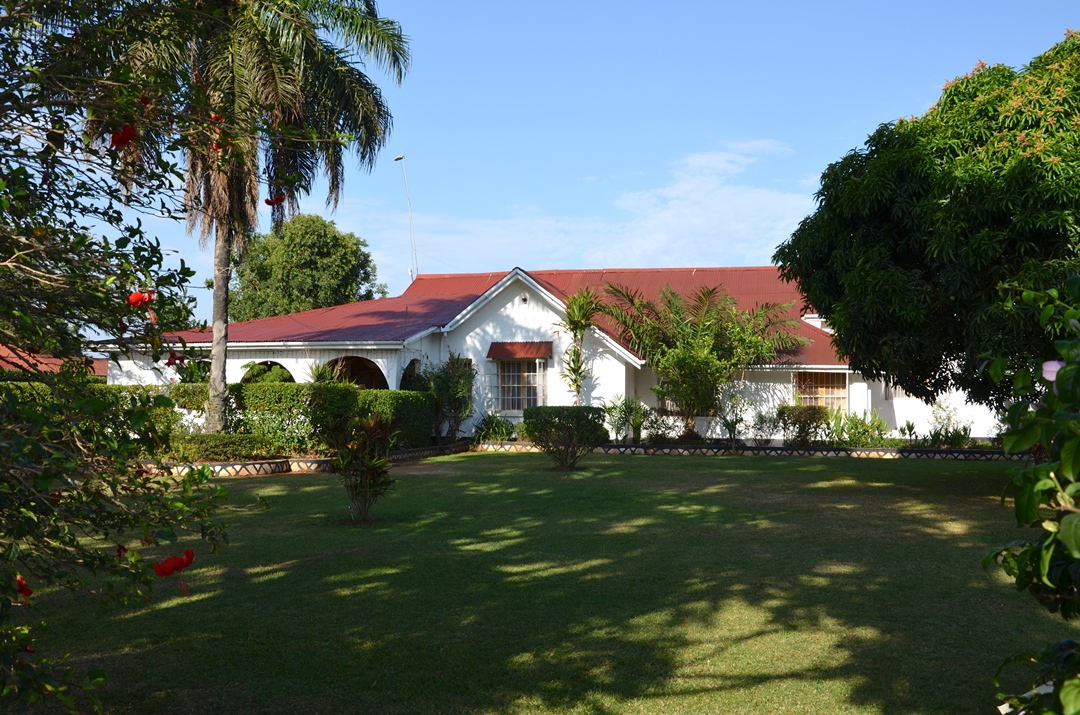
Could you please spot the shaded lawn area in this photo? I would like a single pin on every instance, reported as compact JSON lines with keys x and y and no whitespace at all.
{"x":491,"y":584}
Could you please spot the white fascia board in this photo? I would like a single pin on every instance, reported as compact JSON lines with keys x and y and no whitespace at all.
{"x":554,"y":303}
{"x":493,"y":291}
{"x":421,"y":335}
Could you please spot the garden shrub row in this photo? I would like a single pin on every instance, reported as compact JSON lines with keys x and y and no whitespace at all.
{"x":292,"y":417}
{"x":284,"y":418}
{"x":163,"y":417}
{"x":217,"y":448}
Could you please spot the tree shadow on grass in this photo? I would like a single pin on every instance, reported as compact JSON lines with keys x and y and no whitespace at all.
{"x":643,"y":585}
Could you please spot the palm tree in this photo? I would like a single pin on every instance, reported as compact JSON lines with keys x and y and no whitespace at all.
{"x":280,"y":103}
{"x":695,"y":344}
{"x":582,"y":308}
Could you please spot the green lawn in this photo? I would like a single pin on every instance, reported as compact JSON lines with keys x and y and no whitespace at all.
{"x":491,"y":584}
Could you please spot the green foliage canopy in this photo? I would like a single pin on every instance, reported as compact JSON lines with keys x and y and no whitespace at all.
{"x":695,"y":344}
{"x":304,"y":263}
{"x":78,"y":510}
{"x":915,"y":232}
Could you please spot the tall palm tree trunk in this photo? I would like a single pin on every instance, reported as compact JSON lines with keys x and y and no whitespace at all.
{"x":215,"y":413}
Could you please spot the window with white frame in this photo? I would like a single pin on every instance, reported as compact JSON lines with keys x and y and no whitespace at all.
{"x":520,"y":384}
{"x":828,"y":389}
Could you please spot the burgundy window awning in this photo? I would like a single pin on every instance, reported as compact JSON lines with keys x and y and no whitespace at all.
{"x":520,"y":351}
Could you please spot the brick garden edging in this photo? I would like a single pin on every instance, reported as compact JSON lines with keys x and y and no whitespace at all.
{"x":721,"y":451}
{"x":305,"y":465}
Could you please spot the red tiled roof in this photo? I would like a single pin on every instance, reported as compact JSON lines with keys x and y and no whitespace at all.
{"x":11,"y":359}
{"x":430,"y":301}
{"x":520,"y":351}
{"x":433,"y":300}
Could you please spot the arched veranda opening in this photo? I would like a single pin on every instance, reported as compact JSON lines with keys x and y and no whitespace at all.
{"x":360,"y":371}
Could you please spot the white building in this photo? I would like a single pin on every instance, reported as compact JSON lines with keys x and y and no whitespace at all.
{"x":505,"y":324}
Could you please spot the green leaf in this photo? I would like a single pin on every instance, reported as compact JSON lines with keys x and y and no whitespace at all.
{"x":1044,"y":560}
{"x":1027,"y":504}
{"x":1046,"y":314}
{"x":1069,"y":459}
{"x":1070,"y":696}
{"x":997,"y":369}
{"x":1016,"y":441}
{"x":1069,"y":534}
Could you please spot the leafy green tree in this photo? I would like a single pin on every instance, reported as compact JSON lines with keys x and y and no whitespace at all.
{"x":304,"y":263}
{"x":915,"y":232}
{"x":581,"y":310}
{"x":451,"y":386}
{"x":1045,"y":563}
{"x":695,"y":344}
{"x":287,"y":99}
{"x":77,"y":505}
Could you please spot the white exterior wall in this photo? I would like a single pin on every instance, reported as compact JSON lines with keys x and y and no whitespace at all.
{"x":297,"y":360}
{"x":518,"y":313}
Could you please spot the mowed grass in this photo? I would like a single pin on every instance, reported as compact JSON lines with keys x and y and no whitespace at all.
{"x":491,"y":584}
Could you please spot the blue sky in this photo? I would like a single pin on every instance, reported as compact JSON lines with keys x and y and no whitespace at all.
{"x":623,"y":134}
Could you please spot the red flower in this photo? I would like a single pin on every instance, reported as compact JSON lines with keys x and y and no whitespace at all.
{"x":175,"y":359}
{"x":169,"y":566}
{"x":23,"y":590}
{"x":138,"y":299}
{"x":278,"y":199}
{"x":153,"y":317}
{"x":216,"y":117}
{"x":145,"y":101}
{"x":124,"y":137}
{"x":215,"y":146}
{"x":176,"y":564}
{"x":120,"y":551}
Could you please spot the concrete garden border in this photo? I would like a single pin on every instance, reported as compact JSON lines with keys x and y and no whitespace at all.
{"x":313,"y":465}
{"x":721,"y":451}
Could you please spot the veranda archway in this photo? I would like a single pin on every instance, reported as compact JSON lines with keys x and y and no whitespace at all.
{"x":360,"y":371}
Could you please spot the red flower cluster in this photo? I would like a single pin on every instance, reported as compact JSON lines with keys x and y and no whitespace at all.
{"x":176,"y":564}
{"x":124,"y":137}
{"x":175,"y":359}
{"x":23,"y":590}
{"x":171,"y":565}
{"x":138,"y":299}
{"x":276,"y":201}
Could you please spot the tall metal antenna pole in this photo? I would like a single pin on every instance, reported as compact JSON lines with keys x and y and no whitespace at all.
{"x":414,"y":269}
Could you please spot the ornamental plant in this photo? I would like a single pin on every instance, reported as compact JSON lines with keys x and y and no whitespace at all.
{"x":566,"y":434}
{"x":361,"y":460}
{"x":1045,"y":419}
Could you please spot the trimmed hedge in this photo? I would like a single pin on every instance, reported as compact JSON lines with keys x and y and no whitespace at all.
{"x":217,"y":448}
{"x":566,"y":434}
{"x":292,"y":417}
{"x":413,"y":413}
{"x":161,"y":414}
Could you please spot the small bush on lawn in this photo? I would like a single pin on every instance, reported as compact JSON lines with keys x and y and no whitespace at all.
{"x":492,"y":428}
{"x":361,"y":459}
{"x":217,"y":448}
{"x":858,"y":430}
{"x":566,"y":434}
{"x":803,"y":425}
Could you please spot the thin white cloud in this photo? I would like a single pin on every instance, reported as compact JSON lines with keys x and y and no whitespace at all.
{"x":706,"y":214}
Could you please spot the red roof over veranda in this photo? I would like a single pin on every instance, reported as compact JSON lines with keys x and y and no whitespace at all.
{"x":434,"y":300}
